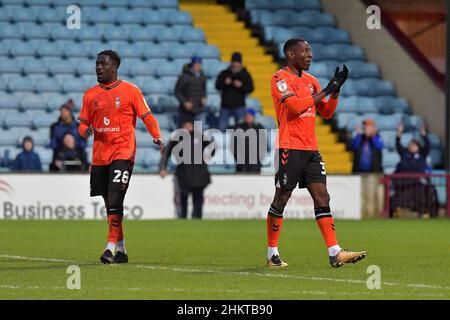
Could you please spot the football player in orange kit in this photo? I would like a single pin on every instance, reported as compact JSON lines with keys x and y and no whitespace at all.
{"x":297,"y":96}
{"x":109,"y":113}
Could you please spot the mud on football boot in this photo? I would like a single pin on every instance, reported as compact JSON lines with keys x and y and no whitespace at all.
{"x":276,"y":262}
{"x":346,"y":256}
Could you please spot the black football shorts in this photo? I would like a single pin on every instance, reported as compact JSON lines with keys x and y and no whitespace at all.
{"x":112,"y":178}
{"x":300,"y":167}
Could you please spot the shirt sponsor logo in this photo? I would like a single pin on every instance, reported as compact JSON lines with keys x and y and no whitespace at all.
{"x":106,"y":121}
{"x":282,"y":86}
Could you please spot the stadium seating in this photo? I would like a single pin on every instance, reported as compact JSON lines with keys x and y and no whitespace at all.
{"x":43,"y":63}
{"x":365,"y":94}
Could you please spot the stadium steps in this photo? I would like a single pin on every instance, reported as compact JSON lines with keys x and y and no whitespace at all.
{"x":223,"y":29}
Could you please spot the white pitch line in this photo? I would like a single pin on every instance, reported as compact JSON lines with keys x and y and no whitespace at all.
{"x":34,"y":259}
{"x":300,"y":292}
{"x":240,"y":273}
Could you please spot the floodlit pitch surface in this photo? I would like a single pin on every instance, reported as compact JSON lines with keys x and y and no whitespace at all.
{"x":223,"y":260}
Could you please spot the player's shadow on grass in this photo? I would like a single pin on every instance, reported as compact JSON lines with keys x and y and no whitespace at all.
{"x":44,"y":265}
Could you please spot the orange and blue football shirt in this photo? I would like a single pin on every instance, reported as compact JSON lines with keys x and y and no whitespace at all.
{"x":297,"y":130}
{"x":111,"y":109}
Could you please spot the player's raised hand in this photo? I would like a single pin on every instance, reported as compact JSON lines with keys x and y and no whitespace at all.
{"x":334,"y":83}
{"x":399,"y":129}
{"x":159,"y":141}
{"x":342,"y":76}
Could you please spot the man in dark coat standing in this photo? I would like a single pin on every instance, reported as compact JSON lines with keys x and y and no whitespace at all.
{"x":235,"y":83}
{"x":192,"y":178}
{"x":190,"y":90}
{"x":252,"y":160}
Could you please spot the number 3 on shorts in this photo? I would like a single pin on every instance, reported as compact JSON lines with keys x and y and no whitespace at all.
{"x":323,"y":167}
{"x":118,"y":174}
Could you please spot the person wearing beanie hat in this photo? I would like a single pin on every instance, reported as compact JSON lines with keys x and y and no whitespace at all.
{"x":235,"y":83}
{"x":190,"y":91}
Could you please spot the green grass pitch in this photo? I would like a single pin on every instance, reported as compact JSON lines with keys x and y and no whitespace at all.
{"x":223,"y":260}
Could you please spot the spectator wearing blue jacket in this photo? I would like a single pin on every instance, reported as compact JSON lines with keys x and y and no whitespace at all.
{"x":65,"y":124}
{"x":27,"y":160}
{"x":367,"y":146}
{"x":413,"y":158}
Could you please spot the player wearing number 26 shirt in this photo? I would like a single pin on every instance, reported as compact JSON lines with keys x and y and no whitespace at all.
{"x":109,"y":113}
{"x":297,"y":96}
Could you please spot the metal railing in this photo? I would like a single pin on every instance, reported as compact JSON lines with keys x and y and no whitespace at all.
{"x":423,"y":193}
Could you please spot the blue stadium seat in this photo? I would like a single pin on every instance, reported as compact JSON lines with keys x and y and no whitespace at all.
{"x":58,"y":66}
{"x":360,"y":69}
{"x":9,"y":138}
{"x":76,"y":50}
{"x":20,"y":84}
{"x":4,"y":48}
{"x":131,"y":51}
{"x":116,"y":34}
{"x":213,"y":102}
{"x":152,"y":159}
{"x":130,"y":17}
{"x":167,"y":104}
{"x":47,"y":85}
{"x":11,"y":66}
{"x":63,"y":33}
{"x":143,"y":139}
{"x":74,"y":85}
{"x":31,"y":66}
{"x":41,"y":137}
{"x":343,"y":119}
{"x":90,"y":33}
{"x":208,"y":51}
{"x":96,"y":15}
{"x":22,"y":49}
{"x":16,"y":119}
{"x":193,"y":35}
{"x":267,"y":122}
{"x":389,"y":122}
{"x":390,"y":159}
{"x":168,"y":70}
{"x":8,"y":101}
{"x":436,"y":157}
{"x":32,"y":101}
{"x":5,"y":16}
{"x":388,"y":137}
{"x":44,"y":121}
{"x":88,"y":68}
{"x":34,"y":31}
{"x":180,"y":18}
{"x":166,"y":34}
{"x":177,"y":51}
{"x":388,"y":105}
{"x":253,"y":103}
{"x":154,"y":17}
{"x":50,"y":49}
{"x":165,"y":121}
{"x":434,"y":139}
{"x":54,"y":15}
{"x":139,"y":33}
{"x":142,"y":68}
{"x":10,"y":31}
{"x":46,"y":155}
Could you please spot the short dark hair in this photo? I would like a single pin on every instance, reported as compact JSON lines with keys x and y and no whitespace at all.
{"x":290,"y":44}
{"x":113,"y":55}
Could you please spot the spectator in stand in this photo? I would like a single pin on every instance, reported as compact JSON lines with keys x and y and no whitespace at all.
{"x":367,"y":146}
{"x":27,"y":160}
{"x":415,"y":193}
{"x":235,"y":83}
{"x":69,"y":157}
{"x":192,"y":178}
{"x":413,"y":157}
{"x":190,"y":90}
{"x":65,"y":124}
{"x":251,"y":164}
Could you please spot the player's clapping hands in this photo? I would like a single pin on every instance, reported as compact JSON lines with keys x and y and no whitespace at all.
{"x":335,"y":84}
